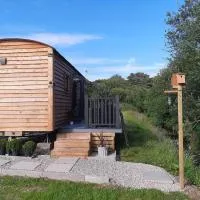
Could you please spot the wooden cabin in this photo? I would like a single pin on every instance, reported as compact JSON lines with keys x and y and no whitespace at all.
{"x":41,"y":92}
{"x":39,"y":88}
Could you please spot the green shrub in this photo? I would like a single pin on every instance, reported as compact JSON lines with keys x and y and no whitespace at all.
{"x":28,"y":148}
{"x":13,"y":147}
{"x":3,"y":146}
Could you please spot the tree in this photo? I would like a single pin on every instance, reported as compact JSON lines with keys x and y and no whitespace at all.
{"x":139,"y":78}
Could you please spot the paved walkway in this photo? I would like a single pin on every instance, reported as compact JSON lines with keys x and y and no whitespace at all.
{"x":95,"y":170}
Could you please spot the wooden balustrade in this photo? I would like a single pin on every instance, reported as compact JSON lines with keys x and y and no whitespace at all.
{"x":102,"y":112}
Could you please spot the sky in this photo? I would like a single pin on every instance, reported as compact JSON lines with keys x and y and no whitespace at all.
{"x":100,"y":38}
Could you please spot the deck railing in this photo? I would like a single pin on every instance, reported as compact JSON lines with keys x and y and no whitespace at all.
{"x":102,"y":112}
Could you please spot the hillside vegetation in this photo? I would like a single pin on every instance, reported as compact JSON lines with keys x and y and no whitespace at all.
{"x":146,"y":94}
{"x":149,"y":144}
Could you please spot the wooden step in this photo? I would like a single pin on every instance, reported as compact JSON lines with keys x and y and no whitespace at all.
{"x":69,"y":154}
{"x":72,"y":149}
{"x":72,"y":143}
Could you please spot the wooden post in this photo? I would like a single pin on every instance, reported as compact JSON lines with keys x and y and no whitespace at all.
{"x":177,"y":82}
{"x":86,"y":110}
{"x":180,"y":137}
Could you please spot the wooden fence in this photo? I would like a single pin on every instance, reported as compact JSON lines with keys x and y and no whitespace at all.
{"x":102,"y":112}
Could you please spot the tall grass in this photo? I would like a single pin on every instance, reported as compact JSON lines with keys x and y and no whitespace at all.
{"x":150,"y":145}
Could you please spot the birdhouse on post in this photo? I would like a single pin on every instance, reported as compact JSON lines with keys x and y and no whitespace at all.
{"x":177,"y":79}
{"x":177,"y":82}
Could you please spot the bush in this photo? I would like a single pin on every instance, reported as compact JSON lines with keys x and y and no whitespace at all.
{"x":14,"y":147}
{"x":3,"y":146}
{"x":28,"y":148}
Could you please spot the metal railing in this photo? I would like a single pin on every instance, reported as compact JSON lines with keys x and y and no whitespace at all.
{"x":102,"y":112}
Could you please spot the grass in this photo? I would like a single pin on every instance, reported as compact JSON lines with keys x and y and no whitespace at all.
{"x":148,"y":144}
{"x":39,"y":189}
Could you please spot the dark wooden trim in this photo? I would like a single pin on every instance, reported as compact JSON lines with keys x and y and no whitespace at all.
{"x":90,"y":130}
{"x":117,"y":112}
{"x":86,"y":110}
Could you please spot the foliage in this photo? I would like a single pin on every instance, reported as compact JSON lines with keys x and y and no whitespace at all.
{"x":102,"y":142}
{"x":13,"y":147}
{"x":28,"y":148}
{"x":183,"y":37}
{"x":41,"y":189}
{"x":139,"y":78}
{"x":3,"y":146}
{"x":125,"y":89}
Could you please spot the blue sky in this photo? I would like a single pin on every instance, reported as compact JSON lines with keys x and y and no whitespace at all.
{"x":99,"y":37}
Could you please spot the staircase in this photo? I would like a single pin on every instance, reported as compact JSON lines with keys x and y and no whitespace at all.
{"x":72,"y":144}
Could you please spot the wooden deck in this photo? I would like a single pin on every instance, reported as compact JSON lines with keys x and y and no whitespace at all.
{"x":80,"y":138}
{"x":81,"y":127}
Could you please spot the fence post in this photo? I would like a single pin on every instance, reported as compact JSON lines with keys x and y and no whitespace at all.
{"x":117,"y":112}
{"x":86,"y":110}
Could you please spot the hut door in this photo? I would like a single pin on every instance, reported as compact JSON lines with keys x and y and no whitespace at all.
{"x":76,"y":99}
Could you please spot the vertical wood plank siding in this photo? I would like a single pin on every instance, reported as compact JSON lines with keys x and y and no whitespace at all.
{"x":24,"y":86}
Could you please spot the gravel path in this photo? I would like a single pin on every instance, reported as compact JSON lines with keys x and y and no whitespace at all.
{"x":124,"y":174}
{"x":133,"y":175}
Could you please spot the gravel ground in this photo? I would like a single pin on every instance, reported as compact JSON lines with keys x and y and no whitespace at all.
{"x":127,"y":174}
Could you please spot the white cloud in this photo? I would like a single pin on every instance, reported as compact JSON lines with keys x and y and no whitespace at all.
{"x":60,"y":39}
{"x":131,"y":66}
{"x":93,"y":72}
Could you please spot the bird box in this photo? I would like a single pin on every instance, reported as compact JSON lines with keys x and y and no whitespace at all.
{"x":177,"y":79}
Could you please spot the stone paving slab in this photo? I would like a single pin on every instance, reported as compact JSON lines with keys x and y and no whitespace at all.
{"x":3,"y":162}
{"x":66,"y":160}
{"x":157,"y":176}
{"x":97,"y":179}
{"x":25,"y":165}
{"x":63,"y":176}
{"x":17,"y":172}
{"x":59,"y":168}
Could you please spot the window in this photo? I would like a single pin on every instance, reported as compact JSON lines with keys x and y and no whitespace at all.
{"x":66,"y":82}
{"x":3,"y":61}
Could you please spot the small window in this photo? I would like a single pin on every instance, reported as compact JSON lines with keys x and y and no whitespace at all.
{"x":3,"y":61}
{"x":66,"y":82}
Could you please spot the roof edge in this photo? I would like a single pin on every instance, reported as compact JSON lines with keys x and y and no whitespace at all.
{"x":38,"y":42}
{"x":24,"y":40}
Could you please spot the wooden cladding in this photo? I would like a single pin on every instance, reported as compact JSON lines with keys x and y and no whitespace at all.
{"x":102,"y":112}
{"x":23,"y":86}
{"x":36,"y":85}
